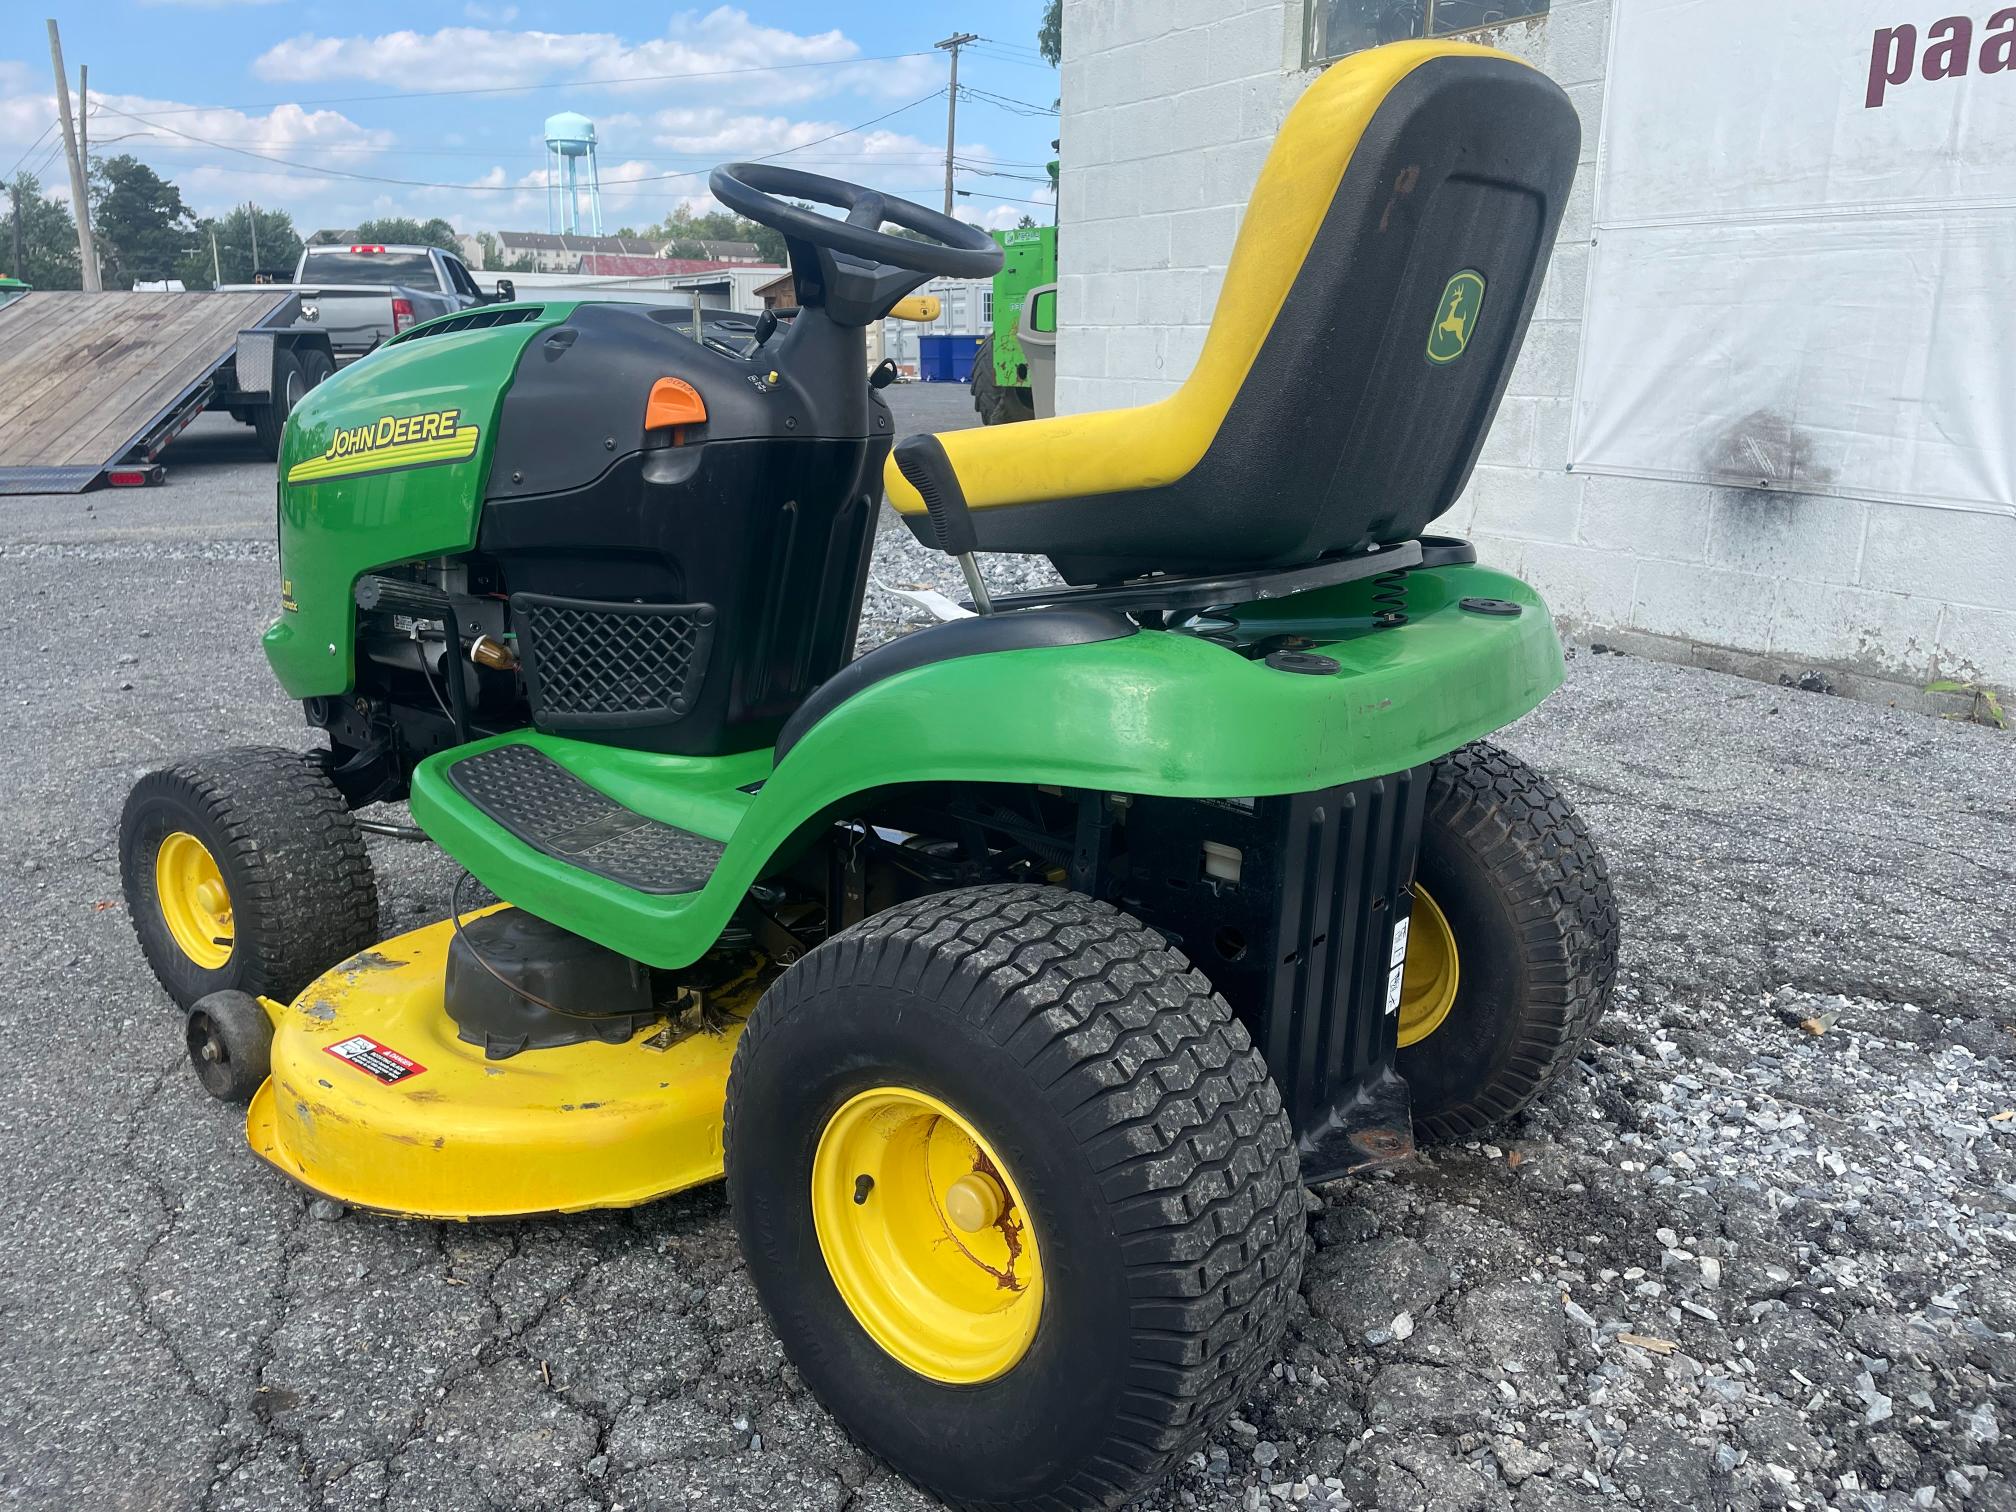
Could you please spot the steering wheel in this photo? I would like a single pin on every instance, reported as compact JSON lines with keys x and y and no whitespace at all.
{"x":955,"y":250}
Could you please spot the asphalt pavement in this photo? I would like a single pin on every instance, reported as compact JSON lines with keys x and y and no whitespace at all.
{"x":1754,"y":1250}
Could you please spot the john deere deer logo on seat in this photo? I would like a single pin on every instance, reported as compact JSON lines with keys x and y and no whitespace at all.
{"x":1456,"y":316}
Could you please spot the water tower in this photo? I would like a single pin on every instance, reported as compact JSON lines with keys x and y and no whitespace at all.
{"x":569,"y":139}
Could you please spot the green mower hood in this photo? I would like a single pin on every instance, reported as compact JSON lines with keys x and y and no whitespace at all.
{"x":382,"y":463}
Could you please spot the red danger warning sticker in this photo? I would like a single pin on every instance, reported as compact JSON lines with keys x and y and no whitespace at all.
{"x":381,"y":1061}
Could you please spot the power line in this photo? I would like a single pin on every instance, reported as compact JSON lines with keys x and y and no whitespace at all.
{"x":1007,"y":199}
{"x":1010,"y":59}
{"x":32,"y":146}
{"x":429,"y":94}
{"x":1019,"y":47}
{"x":709,"y":157}
{"x":1008,"y":102}
{"x":375,"y":178}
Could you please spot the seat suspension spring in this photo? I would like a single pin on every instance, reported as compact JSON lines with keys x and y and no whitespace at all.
{"x":1389,"y":599}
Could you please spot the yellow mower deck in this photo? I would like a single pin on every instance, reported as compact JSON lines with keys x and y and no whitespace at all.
{"x":374,"y":1102}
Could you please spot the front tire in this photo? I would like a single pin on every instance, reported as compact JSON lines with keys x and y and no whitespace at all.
{"x":245,"y":871}
{"x":994,"y":404}
{"x":1119,"y":1273}
{"x":1512,"y":949}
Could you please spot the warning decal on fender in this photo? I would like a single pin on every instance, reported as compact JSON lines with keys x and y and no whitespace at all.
{"x":381,"y":1061}
{"x":1396,"y":968}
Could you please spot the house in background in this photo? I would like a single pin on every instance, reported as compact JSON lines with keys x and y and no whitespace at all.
{"x":553,"y":253}
{"x":729,"y":251}
{"x":1763,"y":419}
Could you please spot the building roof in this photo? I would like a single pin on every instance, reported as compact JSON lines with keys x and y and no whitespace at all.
{"x":731,"y":251}
{"x":636,"y":266}
{"x":546,"y":241}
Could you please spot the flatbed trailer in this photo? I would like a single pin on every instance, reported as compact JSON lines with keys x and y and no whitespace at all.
{"x":93,"y":387}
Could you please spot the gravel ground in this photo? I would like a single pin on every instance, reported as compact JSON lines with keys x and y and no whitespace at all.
{"x":1754,"y":1251}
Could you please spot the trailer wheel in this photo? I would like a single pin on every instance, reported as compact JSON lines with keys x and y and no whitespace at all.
{"x":244,"y":871}
{"x":318,"y":367}
{"x":269,"y":420}
{"x":1512,"y":948}
{"x":1017,"y":1192}
{"x":994,"y":404}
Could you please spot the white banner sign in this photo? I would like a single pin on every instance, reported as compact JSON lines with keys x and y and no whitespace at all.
{"x":1804,"y":274}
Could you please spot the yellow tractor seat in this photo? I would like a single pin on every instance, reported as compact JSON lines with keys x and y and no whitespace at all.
{"x":1378,"y":293}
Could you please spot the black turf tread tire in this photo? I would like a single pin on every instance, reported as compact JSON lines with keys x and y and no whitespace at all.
{"x":1529,"y":901}
{"x":303,"y":896}
{"x":1087,"y":1015}
{"x":994,"y":404}
{"x":269,"y":420}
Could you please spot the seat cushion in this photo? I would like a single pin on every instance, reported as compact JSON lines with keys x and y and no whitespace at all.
{"x":1414,"y":189}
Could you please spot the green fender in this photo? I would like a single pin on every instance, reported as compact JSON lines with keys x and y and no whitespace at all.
{"x":1152,"y":713}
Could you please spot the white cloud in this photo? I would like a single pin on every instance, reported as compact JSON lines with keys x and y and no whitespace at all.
{"x":723,"y":43}
{"x":211,"y":178}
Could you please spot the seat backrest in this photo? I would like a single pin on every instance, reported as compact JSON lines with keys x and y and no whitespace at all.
{"x":1376,"y":299}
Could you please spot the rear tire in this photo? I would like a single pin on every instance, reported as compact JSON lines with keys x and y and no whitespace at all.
{"x":1070,"y":1052}
{"x":269,"y":420}
{"x":1527,"y":900}
{"x":317,"y":367}
{"x":994,"y":404}
{"x":244,"y":871}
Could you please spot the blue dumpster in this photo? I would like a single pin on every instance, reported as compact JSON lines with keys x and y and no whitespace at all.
{"x":946,"y":359}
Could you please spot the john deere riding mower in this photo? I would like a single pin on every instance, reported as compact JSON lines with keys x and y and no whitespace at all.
{"x":1017,"y":974}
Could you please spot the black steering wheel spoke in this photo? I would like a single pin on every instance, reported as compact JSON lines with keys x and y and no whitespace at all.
{"x":868,"y":211}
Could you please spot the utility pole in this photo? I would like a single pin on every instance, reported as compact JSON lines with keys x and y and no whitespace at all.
{"x":951,"y":44}
{"x":20,"y":265}
{"x":80,"y":195}
{"x":84,"y":117}
{"x":216,"y":267}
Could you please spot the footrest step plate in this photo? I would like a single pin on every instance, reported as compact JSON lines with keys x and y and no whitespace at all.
{"x":553,"y":811}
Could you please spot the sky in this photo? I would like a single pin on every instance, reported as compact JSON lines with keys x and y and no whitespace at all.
{"x":451,"y":100}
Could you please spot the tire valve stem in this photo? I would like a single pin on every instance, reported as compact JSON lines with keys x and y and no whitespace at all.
{"x":863,"y":1185}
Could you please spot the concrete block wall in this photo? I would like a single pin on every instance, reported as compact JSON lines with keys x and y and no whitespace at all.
{"x":1169,"y":110}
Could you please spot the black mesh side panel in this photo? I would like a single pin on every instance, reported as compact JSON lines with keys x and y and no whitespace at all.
{"x":596,"y":665}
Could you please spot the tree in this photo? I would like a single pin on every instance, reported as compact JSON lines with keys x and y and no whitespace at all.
{"x":403,"y":230}
{"x":1027,"y":223}
{"x":1050,"y":35}
{"x":278,"y":242}
{"x":48,"y":236}
{"x":142,"y":229}
{"x":683,"y":231}
{"x":494,"y":260}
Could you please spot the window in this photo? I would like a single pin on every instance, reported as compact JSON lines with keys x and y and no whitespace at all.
{"x":1336,"y":27}
{"x":987,"y":309}
{"x":337,"y":266}
{"x":459,"y":277}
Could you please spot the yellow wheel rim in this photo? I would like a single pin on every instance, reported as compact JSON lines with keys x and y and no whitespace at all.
{"x":936,"y":1259}
{"x":1428,"y":983}
{"x":195,"y":904}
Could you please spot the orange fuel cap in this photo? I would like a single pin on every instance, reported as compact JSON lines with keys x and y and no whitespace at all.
{"x":674,"y":401}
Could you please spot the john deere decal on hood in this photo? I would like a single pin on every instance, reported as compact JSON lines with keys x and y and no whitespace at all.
{"x":391,"y":441}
